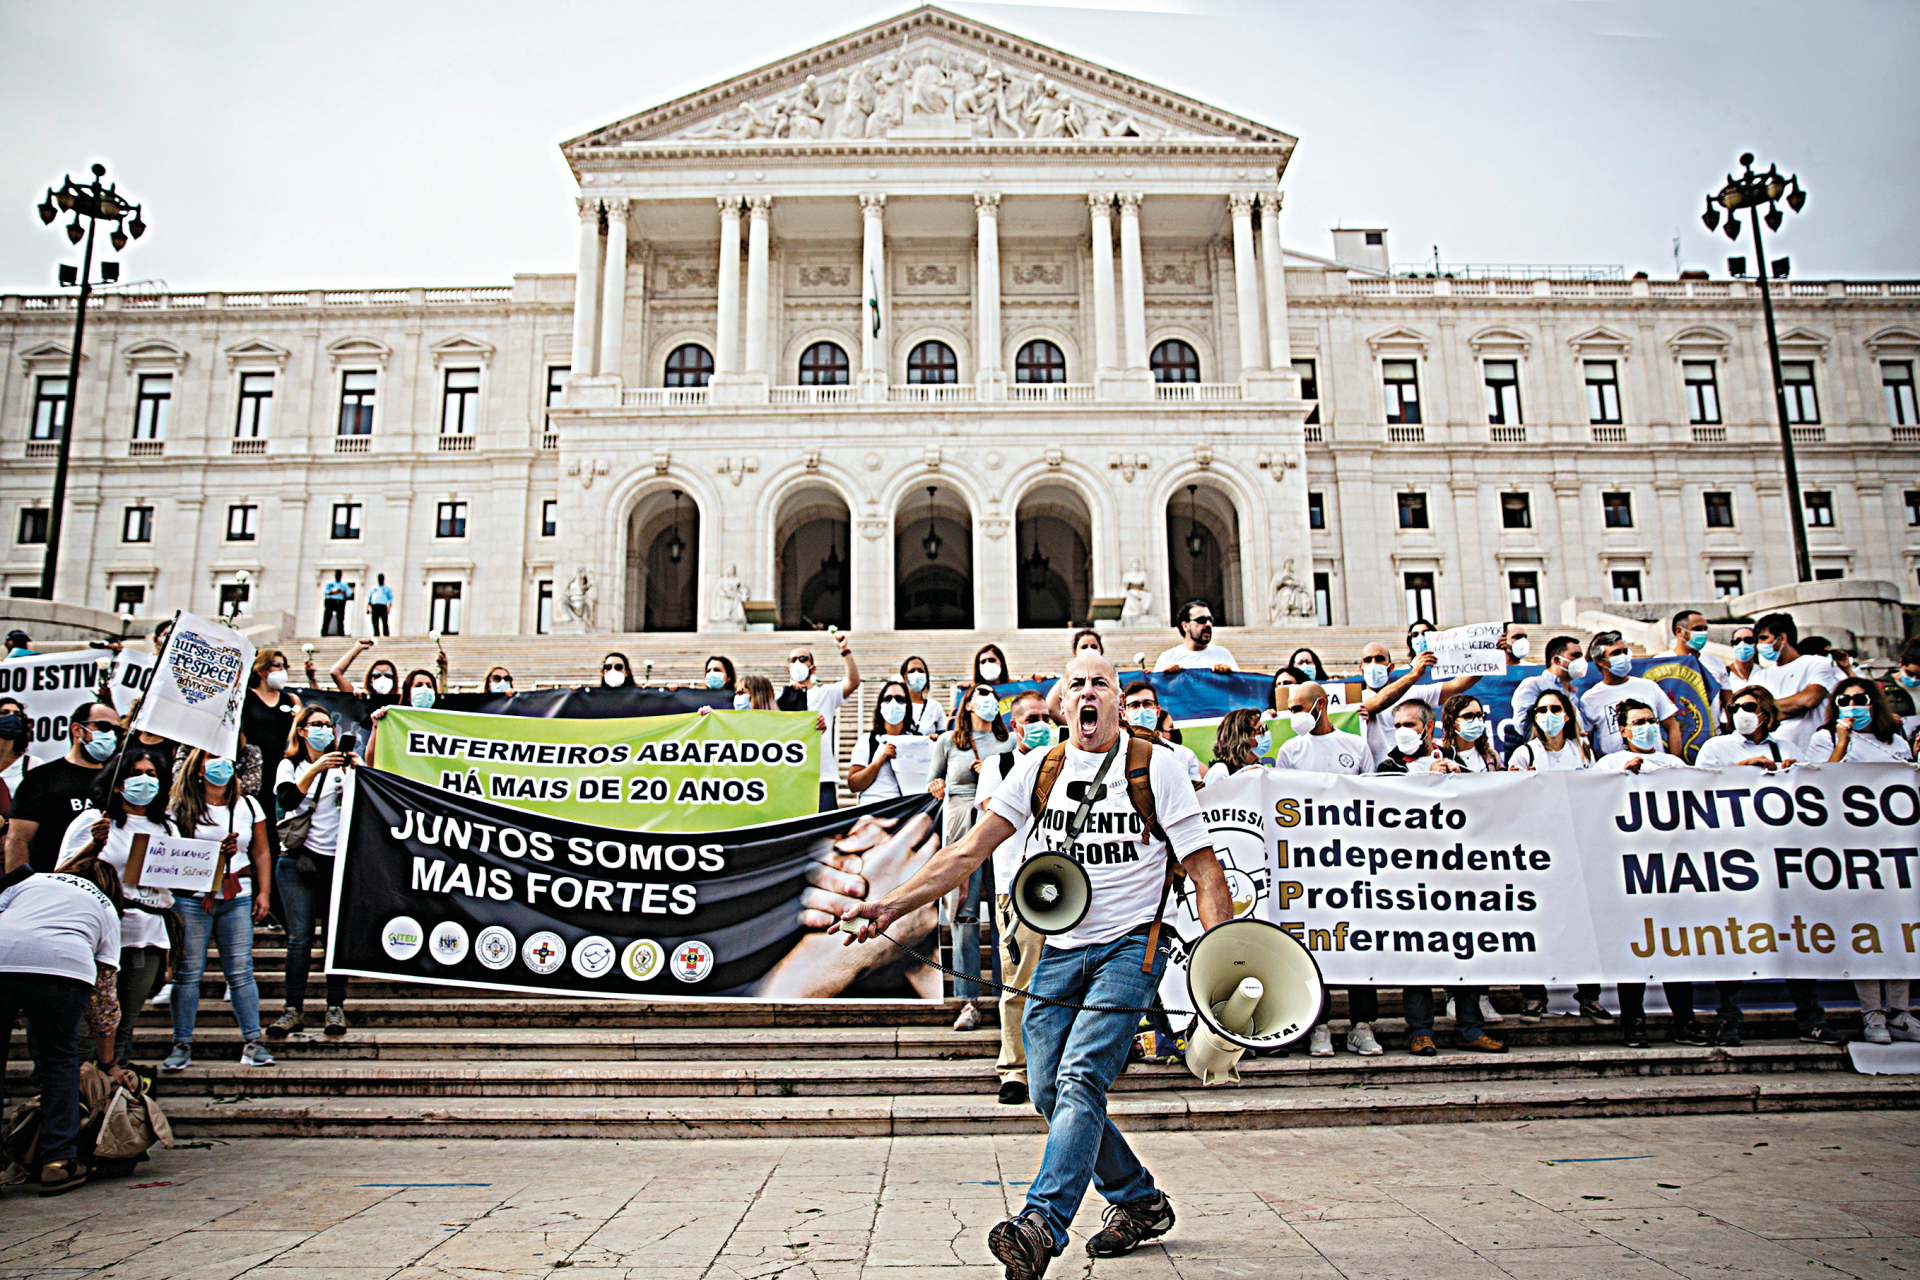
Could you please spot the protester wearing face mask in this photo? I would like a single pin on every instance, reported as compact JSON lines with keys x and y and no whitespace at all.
{"x":1308,"y":664}
{"x":1748,"y":734}
{"x":870,"y":773}
{"x":1617,"y":684}
{"x":1554,"y":742}
{"x":1566,"y":669}
{"x":1141,"y":708}
{"x":106,"y":830}
{"x":1860,"y":727}
{"x":16,"y":736}
{"x":1083,"y":640}
{"x":52,"y":793}
{"x":1196,"y":650}
{"x":1640,"y":735}
{"x":616,"y":671}
{"x":989,"y":668}
{"x":1902,"y":687}
{"x":498,"y":682}
{"x":754,"y":693}
{"x":1515,"y":643}
{"x":382,"y":685}
{"x":1463,"y":735}
{"x":309,"y":782}
{"x":1316,"y":746}
{"x":1280,"y":692}
{"x":1031,"y":730}
{"x":719,"y":674}
{"x":804,"y":692}
{"x":979,"y":734}
{"x":1241,"y":742}
{"x":925,"y":716}
{"x":1798,"y":682}
{"x":1385,"y":691}
{"x":1689,"y":627}
{"x":1412,"y":750}
{"x":266,"y":719}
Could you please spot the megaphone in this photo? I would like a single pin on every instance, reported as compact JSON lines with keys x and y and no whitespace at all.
{"x":1253,"y":986}
{"x":1051,"y":893}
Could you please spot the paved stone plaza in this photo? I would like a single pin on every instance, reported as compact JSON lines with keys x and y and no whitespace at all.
{"x":1831,"y":1194}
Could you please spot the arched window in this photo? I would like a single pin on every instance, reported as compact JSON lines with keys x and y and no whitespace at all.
{"x":1175,"y":361}
{"x":689,"y":366}
{"x":932,"y":362}
{"x":823,"y":365}
{"x":1040,"y":361}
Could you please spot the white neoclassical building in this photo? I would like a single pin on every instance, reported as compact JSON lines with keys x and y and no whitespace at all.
{"x":933,"y":326}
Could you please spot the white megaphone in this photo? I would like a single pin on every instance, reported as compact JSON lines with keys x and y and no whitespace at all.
{"x":1051,"y":893}
{"x":1253,"y":986}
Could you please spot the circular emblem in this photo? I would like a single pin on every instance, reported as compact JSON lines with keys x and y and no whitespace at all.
{"x":495,"y":947}
{"x":643,"y":959}
{"x":448,"y":942}
{"x":692,"y":961}
{"x":544,"y":951}
{"x":1242,"y":891}
{"x":403,"y":938}
{"x":593,"y":957}
{"x":1346,"y":760}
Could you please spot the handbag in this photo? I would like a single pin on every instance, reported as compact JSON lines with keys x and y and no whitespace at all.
{"x":294,"y":829}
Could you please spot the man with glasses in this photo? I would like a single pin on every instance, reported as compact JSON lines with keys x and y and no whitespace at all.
{"x":1141,"y":708}
{"x":1639,"y":733}
{"x":1385,"y":692}
{"x":1196,"y":647}
{"x":1604,"y":701}
{"x":51,"y":794}
{"x":802,"y":694}
{"x":1799,"y":682}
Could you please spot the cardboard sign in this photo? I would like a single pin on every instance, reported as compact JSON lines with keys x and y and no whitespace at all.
{"x":171,"y":862}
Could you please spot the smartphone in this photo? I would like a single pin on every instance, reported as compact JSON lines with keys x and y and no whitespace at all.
{"x":347,"y":742}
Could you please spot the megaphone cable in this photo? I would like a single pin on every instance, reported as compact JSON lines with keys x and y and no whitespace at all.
{"x":838,"y":927}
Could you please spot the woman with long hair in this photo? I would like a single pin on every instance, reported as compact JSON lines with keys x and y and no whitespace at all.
{"x":989,"y":668}
{"x":309,"y":780}
{"x":208,"y":804}
{"x":498,"y":682}
{"x":755,"y":693}
{"x":1279,"y":700}
{"x":979,"y":733}
{"x":1308,"y":662}
{"x":924,"y":714}
{"x":266,"y":719}
{"x":1554,"y":741}
{"x":1241,"y":742}
{"x":1463,"y":735}
{"x":616,"y":671}
{"x":1860,"y":728}
{"x":1748,"y":733}
{"x":719,"y":674}
{"x":870,"y":772}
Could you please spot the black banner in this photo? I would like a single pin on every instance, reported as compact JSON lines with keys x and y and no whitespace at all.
{"x":434,"y":887}
{"x":354,"y":714}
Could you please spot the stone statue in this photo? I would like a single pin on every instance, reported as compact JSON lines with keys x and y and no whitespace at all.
{"x":732,"y":595}
{"x":859,"y":102}
{"x":927,"y":93}
{"x":1139,"y":601}
{"x":579,"y":596}
{"x":1290,"y":599}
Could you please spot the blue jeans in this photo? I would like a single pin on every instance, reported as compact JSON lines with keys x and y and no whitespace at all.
{"x":1417,"y":1004}
{"x":966,"y":933}
{"x":231,"y":925}
{"x":1073,"y":1058}
{"x":302,"y":899}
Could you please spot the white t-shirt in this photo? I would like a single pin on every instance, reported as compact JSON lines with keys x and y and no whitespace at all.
{"x":1217,"y":771}
{"x":1528,"y":692}
{"x":885,"y":785}
{"x":1470,"y":759}
{"x":931,"y":719}
{"x":995,"y":769}
{"x":323,"y":838}
{"x":137,"y":928}
{"x":1189,"y":760}
{"x":1380,"y":724}
{"x":1793,"y":677}
{"x":1127,"y":874}
{"x":1862,"y":748}
{"x":60,"y":926}
{"x":825,"y":700}
{"x":240,"y":820}
{"x":1335,"y":752}
{"x":1536,"y":755}
{"x":1651,"y":762}
{"x":1214,"y":655}
{"x":1599,"y":702}
{"x":1727,"y":749}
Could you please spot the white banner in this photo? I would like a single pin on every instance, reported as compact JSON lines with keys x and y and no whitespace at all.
{"x":55,"y":685}
{"x":1236,"y":808}
{"x":195,"y":694}
{"x":1472,"y":650}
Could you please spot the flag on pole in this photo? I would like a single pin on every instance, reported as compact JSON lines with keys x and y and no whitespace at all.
{"x":198,"y":683}
{"x":873,"y":299}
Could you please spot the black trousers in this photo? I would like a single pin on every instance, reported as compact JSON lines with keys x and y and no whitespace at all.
{"x":53,"y":1006}
{"x":333,"y":618}
{"x":379,"y":615}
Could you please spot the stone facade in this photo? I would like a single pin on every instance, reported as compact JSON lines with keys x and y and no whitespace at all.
{"x":934,"y":256}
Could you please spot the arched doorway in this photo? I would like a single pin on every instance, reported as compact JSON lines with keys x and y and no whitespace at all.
{"x":813,"y":559}
{"x":1053,"y":572}
{"x":663,"y":563}
{"x":1203,"y":552}
{"x":932,"y":561}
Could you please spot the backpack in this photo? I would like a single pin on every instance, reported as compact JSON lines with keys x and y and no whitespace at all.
{"x":1140,"y":744}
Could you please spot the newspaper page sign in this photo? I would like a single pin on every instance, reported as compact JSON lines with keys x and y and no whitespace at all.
{"x":198,"y":682}
{"x":53,"y":686}
{"x":1472,"y":650}
{"x":173,"y":862}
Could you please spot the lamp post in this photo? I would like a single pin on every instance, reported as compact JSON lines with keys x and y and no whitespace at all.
{"x":1749,"y":191}
{"x":96,"y":203}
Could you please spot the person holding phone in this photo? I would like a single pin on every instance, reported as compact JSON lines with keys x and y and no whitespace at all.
{"x":308,"y":786}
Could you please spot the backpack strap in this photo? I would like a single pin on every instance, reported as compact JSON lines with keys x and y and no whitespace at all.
{"x":1140,"y":782}
{"x":1048,"y":774}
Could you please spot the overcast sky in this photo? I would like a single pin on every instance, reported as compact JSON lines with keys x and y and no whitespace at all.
{"x":415,"y":143}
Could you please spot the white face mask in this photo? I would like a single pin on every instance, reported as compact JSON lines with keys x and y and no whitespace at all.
{"x":892,"y":710}
{"x":742,"y":702}
{"x":917,"y":681}
{"x":500,"y":686}
{"x":798,"y":671}
{"x":990,"y":671}
{"x":613,"y":679}
{"x":1577,"y":669}
{"x":985,"y":705}
{"x":1375,"y":674}
{"x":1746,"y":722}
{"x":276,"y":680}
{"x":381,"y":685}
{"x":1520,"y":647}
{"x":1303,"y":722}
{"x":1408,"y":740}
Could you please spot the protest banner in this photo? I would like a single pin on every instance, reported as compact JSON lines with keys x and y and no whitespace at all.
{"x":1472,"y":650}
{"x":682,"y":773}
{"x":1237,"y":812}
{"x":199,"y":679}
{"x":436,"y":887}
{"x":175,"y":862}
{"x":53,"y":686}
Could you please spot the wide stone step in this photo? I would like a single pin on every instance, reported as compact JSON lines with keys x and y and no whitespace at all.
{"x":883,"y":1116}
{"x":460,"y":1007}
{"x":554,"y":1044}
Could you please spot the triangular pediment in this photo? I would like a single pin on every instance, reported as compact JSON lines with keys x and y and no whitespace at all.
{"x":928,"y":76}
{"x":1804,"y":339}
{"x":256,"y":353}
{"x":1399,"y":339}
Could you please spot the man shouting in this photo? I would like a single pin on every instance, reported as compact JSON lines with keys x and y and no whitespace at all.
{"x":1089,"y":814}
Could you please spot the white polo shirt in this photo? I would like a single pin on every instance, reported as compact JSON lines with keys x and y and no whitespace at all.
{"x":1214,"y":655}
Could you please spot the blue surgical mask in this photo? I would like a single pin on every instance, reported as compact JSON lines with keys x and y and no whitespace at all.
{"x":1419,"y":644}
{"x":1038,"y":734}
{"x":893,"y":710}
{"x":101,"y":745}
{"x":500,"y":686}
{"x":1143,"y":717}
{"x":1312,"y":672}
{"x":1907,"y":681}
{"x":141,"y":789}
{"x":220,"y":772}
{"x":320,"y":737}
{"x":742,"y":702}
{"x":1263,"y":745}
{"x":1697,"y":640}
{"x":716,"y":679}
{"x":421,"y":697}
{"x":1744,"y":651}
{"x":1858,"y":717}
{"x":1473,"y":730}
{"x":1621,"y":665}
{"x":1375,"y":675}
{"x":917,"y":681}
{"x":1644,"y":736}
{"x":1769,"y":653}
{"x":1550,"y":722}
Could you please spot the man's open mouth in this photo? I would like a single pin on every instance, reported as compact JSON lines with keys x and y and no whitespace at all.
{"x":1089,"y":718}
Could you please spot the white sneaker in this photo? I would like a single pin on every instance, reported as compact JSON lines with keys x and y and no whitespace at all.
{"x":1450,"y":1012}
{"x":969,"y":1018}
{"x":1901,"y":1026}
{"x":1488,"y":1013}
{"x":1360,"y":1040}
{"x":163,"y":996}
{"x":1321,"y":1045}
{"x":1874,"y":1027}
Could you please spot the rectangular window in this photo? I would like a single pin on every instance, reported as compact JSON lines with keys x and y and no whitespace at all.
{"x":136,"y":525}
{"x":460,"y":410}
{"x":1913,"y":508}
{"x":356,"y":403}
{"x":549,"y":517}
{"x":1503,"y":392}
{"x":243,"y":523}
{"x":1309,"y":387}
{"x":1617,"y":510}
{"x":131,"y":601}
{"x":256,"y":406}
{"x":557,"y":375}
{"x":1403,"y":391}
{"x":233,"y":598}
{"x":1719,"y":509}
{"x":346,"y":521}
{"x":50,"y":408}
{"x":451,"y":520}
{"x":33,"y":527}
{"x":1323,"y":599}
{"x":1626,"y":586}
{"x":1523,"y":597}
{"x":1516,"y":511}
{"x":151,"y":405}
{"x":1796,"y":380}
{"x":1728,"y":582}
{"x":543,"y":607}
{"x":444,"y":615}
{"x":1703,"y":391}
{"x":1603,"y":391}
{"x":1413,"y":511}
{"x":1828,"y":575}
{"x":1896,"y":379}
{"x":1419,"y":587}
{"x":1316,"y":510}
{"x":1818,"y":506}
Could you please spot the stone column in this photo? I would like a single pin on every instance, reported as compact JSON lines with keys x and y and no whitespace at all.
{"x":873,"y":284}
{"x":726,"y":353}
{"x":586,"y":284}
{"x":757,"y":211}
{"x":1274,"y":269}
{"x":1133,"y":291}
{"x":989,"y":377}
{"x":1246,"y":286}
{"x":613,"y":292}
{"x":1106,"y":344}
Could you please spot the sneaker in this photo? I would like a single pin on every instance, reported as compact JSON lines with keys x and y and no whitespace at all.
{"x":180,"y":1059}
{"x":1024,"y":1245}
{"x":1488,"y":1013}
{"x":285,"y":1025}
{"x":1360,"y":1040}
{"x":1692,"y":1033}
{"x":336,"y":1020}
{"x":1130,"y":1225}
{"x":1822,"y":1034}
{"x":1595,"y":1010}
{"x":254,"y":1054}
{"x":1727,"y":1035}
{"x":1423,"y":1047}
{"x":1901,"y":1026}
{"x":57,"y":1177}
{"x":1533,"y":1010}
{"x":1450,"y":1009}
{"x":1874,"y":1028}
{"x":1321,"y":1044}
{"x":969,"y":1017}
{"x":1634,"y":1034}
{"x":1484,"y":1043}
{"x":163,"y":996}
{"x":1013,"y":1093}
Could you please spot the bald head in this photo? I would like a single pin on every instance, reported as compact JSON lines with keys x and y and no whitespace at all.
{"x":1311,"y":697}
{"x":1091,"y":701}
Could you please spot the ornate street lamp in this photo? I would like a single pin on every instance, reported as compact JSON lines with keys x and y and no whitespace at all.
{"x":1749,"y":191}
{"x":675,"y":546}
{"x":931,"y":543}
{"x":96,"y":203}
{"x":1196,"y":540}
{"x":1036,"y":565}
{"x":832,"y":568}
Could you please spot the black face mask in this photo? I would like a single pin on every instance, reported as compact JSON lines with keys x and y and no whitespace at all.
{"x":15,"y":728}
